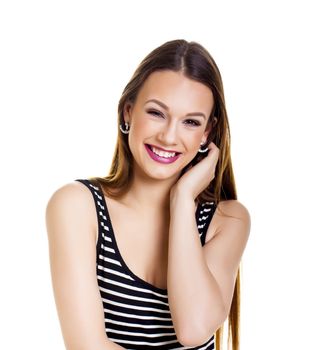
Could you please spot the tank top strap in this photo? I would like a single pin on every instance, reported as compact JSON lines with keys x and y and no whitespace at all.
{"x":100,"y":208}
{"x":205,"y":213}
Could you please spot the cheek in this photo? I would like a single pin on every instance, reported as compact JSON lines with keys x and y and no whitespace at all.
{"x":139,"y":132}
{"x":194,"y":141}
{"x":143,"y":128}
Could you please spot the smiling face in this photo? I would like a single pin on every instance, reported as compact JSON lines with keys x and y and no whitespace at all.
{"x":170,"y":113}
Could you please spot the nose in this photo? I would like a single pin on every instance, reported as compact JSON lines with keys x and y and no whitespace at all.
{"x":168,"y":134}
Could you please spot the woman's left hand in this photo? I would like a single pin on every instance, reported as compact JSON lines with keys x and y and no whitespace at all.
{"x":199,"y":176}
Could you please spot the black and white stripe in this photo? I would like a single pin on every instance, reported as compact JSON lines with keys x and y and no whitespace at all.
{"x":137,"y":314}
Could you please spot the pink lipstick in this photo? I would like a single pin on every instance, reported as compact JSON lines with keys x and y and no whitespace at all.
{"x":159,"y":159}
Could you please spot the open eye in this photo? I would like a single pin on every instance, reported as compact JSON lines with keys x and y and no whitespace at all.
{"x":193,"y":122}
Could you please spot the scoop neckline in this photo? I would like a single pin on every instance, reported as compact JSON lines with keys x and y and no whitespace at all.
{"x":118,"y":253}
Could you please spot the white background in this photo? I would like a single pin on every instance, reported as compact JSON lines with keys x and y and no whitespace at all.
{"x":63,"y":67}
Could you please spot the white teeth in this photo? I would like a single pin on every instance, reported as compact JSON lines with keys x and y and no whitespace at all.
{"x":162,"y":153}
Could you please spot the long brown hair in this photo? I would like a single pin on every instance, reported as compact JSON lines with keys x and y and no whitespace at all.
{"x":195,"y":62}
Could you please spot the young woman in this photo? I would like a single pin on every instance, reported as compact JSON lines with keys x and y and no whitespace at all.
{"x":149,"y":256}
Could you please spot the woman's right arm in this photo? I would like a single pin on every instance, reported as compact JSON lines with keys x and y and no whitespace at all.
{"x":71,"y":227}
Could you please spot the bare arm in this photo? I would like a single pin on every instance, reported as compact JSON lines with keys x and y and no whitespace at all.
{"x":201,"y":279}
{"x":71,"y":228}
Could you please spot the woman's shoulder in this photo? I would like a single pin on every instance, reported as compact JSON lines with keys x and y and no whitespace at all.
{"x":72,"y":199}
{"x":233,"y":207}
{"x":69,"y":192}
{"x":227,"y":213}
{"x":230,"y":213}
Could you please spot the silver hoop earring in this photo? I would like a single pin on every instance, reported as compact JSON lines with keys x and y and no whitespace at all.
{"x":126,"y":131}
{"x":203,"y":150}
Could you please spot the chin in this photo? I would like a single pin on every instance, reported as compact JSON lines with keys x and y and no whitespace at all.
{"x":160,"y":172}
{"x":163,"y":175}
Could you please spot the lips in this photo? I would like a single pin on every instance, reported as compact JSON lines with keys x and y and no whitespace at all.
{"x":162,"y":149}
{"x":159,"y":159}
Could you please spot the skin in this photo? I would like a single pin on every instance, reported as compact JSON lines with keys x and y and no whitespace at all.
{"x":152,"y":181}
{"x":196,"y":314}
{"x":146,"y":206}
{"x":200,"y":293}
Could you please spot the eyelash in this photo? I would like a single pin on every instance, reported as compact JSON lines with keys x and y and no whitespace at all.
{"x":195,"y":122}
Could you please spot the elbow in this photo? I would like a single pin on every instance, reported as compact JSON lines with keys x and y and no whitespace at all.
{"x":197,"y":334}
{"x":190,"y":339}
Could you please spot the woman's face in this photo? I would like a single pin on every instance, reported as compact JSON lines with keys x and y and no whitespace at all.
{"x":165,"y":124}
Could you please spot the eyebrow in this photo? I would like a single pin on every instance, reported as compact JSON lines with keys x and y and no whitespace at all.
{"x":166,"y":108}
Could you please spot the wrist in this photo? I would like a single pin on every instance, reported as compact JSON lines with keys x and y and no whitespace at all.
{"x":180,"y":195}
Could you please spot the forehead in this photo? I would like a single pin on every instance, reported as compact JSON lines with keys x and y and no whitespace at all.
{"x":174,"y":89}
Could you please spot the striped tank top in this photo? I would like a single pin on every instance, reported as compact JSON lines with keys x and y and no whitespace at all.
{"x":137,"y":314}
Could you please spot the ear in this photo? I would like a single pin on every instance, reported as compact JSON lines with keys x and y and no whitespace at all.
{"x":208,"y":130}
{"x":127,"y":110}
{"x":205,"y":137}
